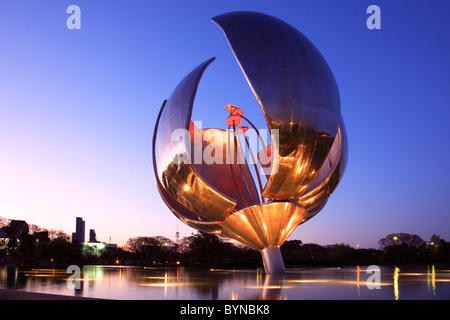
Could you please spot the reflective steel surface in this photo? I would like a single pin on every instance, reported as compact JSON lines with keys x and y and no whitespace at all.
{"x":173,"y":164}
{"x":265,"y":225}
{"x":296,"y":91}
{"x":328,"y":176}
{"x":229,"y":177}
{"x":303,"y":163}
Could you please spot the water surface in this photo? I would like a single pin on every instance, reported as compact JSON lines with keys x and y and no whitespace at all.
{"x":123,"y":282}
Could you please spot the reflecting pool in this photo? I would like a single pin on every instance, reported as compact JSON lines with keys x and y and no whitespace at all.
{"x":182,"y":283}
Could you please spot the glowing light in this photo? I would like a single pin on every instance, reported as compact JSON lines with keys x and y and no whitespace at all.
{"x":163,"y":284}
{"x":266,"y":287}
{"x":165,"y":277}
{"x":166,"y":282}
{"x":358,"y":272}
{"x":312,"y":281}
{"x":431,"y":277}
{"x":186,"y":187}
{"x":396,"y":274}
{"x":39,"y":275}
{"x":166,"y":285}
{"x":220,"y":270}
{"x":344,"y":282}
{"x":414,"y":274}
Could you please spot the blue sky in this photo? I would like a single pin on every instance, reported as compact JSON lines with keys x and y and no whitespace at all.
{"x":78,"y":107}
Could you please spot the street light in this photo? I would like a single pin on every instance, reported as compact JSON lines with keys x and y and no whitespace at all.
{"x":395,"y":238}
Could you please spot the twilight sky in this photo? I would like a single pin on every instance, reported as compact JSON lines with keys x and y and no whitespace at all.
{"x":78,"y":108}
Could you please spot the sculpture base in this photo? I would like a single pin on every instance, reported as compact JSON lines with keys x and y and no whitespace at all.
{"x":273,"y":261}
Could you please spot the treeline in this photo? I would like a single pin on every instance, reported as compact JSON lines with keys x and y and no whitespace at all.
{"x":57,"y":251}
{"x":203,"y":249}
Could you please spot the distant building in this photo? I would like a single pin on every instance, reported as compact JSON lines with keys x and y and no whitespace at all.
{"x":3,"y":240}
{"x":97,"y":248}
{"x":93,"y":248}
{"x":78,"y":235}
{"x":92,"y":236}
{"x":15,"y":230}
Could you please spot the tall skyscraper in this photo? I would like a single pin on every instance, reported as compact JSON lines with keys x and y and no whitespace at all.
{"x":78,"y":235}
{"x":92,"y":236}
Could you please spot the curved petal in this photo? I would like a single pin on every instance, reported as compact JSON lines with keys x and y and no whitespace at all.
{"x":296,"y":91}
{"x":224,"y":166}
{"x":172,"y":159}
{"x":265,"y":225}
{"x":329,"y":175}
{"x":177,"y":208}
{"x":337,"y":151}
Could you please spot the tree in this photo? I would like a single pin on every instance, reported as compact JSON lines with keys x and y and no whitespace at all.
{"x":55,"y":234}
{"x":150,"y":250}
{"x":35,"y":228}
{"x":435,"y":240}
{"x":26,"y":250}
{"x":341,"y":253}
{"x":205,"y":248}
{"x":401,"y":239}
{"x":289,"y":247}
{"x":315,"y":252}
{"x":402,"y":248}
{"x":59,"y":251}
{"x":291,"y":250}
{"x":4,"y":222}
{"x":136,"y":244}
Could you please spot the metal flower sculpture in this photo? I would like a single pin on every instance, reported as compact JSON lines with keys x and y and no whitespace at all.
{"x":301,"y":165}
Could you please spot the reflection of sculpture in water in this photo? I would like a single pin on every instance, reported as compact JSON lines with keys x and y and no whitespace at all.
{"x":273,"y":283}
{"x":301,"y":164}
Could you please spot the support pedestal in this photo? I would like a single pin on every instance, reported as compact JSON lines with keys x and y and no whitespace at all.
{"x":273,"y":261}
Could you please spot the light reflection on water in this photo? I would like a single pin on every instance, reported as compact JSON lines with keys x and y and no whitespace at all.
{"x":121,"y":282}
